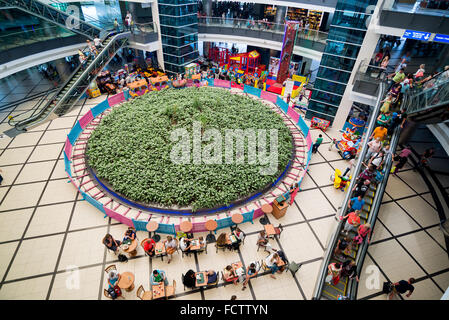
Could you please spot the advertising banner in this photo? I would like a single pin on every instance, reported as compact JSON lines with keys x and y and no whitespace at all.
{"x":287,"y":50}
{"x":273,"y":66}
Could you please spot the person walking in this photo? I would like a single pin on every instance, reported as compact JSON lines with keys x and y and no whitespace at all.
{"x":374,"y":146}
{"x":356,"y":203}
{"x":352,"y":222}
{"x":424,"y":160}
{"x":402,"y":158}
{"x":334,"y":270}
{"x":116,"y":26}
{"x":317,"y":143}
{"x":402,"y":287}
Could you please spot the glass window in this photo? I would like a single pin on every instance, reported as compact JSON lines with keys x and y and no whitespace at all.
{"x":354,"y":5}
{"x":177,"y":10}
{"x":326,"y":97}
{"x":332,"y":74}
{"x":346,"y":35}
{"x":177,"y":2}
{"x":350,"y":19}
{"x":310,"y":114}
{"x":330,"y":86}
{"x":342,"y":49}
{"x":337,"y":62}
{"x":323,"y":108}
{"x":178,"y":21}
{"x":179,"y":32}
{"x":179,"y":42}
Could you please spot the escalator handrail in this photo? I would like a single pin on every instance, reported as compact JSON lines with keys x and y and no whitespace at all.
{"x":91,"y":65}
{"x":413,"y":107}
{"x":87,"y":70}
{"x":333,"y":239}
{"x":34,"y":96}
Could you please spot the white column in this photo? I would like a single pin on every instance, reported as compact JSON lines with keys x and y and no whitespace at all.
{"x":157,"y":26}
{"x":366,"y":52}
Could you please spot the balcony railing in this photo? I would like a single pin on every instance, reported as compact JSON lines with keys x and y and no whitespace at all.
{"x":263,"y":26}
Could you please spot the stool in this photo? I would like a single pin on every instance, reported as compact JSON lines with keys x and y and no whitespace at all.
{"x":211,"y":225}
{"x":152,"y":227}
{"x":266,"y":208}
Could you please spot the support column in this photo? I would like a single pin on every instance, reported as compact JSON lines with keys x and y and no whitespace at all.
{"x":207,"y":7}
{"x":157,"y":27}
{"x":281,"y":12}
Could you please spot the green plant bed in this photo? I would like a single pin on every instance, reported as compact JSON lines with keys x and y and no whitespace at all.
{"x":131,"y":147}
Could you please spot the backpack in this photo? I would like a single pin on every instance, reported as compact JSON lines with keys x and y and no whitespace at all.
{"x":387,"y":287}
{"x":122,"y":258}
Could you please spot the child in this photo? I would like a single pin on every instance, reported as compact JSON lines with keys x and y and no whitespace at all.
{"x":317,"y":143}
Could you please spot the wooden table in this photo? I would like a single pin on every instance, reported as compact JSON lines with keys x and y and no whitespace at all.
{"x":266,"y":208}
{"x":195,"y":244}
{"x":158,"y":291}
{"x":211,"y":225}
{"x":132,"y":248}
{"x":237,"y":218}
{"x":152,"y":227}
{"x":126,"y":281}
{"x":204,"y":283}
{"x":269,"y":230}
{"x":185,"y":226}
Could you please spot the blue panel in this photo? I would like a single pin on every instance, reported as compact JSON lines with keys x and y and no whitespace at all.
{"x":224,"y":223}
{"x":248,"y":216}
{"x":252,"y":90}
{"x":210,"y":82}
{"x":127,"y":95}
{"x":166,"y":228}
{"x":441,"y":38}
{"x":282,"y":104}
{"x":140,"y":225}
{"x":93,"y":202}
{"x":99,"y":108}
{"x":67,"y":165}
{"x":303,"y":126}
{"x":417,"y":35}
{"x":74,"y":133}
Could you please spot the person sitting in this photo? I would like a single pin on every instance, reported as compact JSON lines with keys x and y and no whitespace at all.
{"x":113,"y":278}
{"x":189,"y":279}
{"x":262,"y":241}
{"x":185,"y":245}
{"x":111,"y":243}
{"x":271,"y":262}
{"x":149,"y":247}
{"x":251,"y":272}
{"x":170,"y":247}
{"x":222,"y":241}
{"x":158,"y":277}
{"x":202,"y":243}
{"x":229,"y":275}
{"x":211,"y":276}
{"x":240,"y":236}
{"x":130,"y":234}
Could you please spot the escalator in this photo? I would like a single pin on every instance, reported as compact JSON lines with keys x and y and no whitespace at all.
{"x":54,"y":15}
{"x":373,"y":199}
{"x":430,"y":105}
{"x":70,"y":92}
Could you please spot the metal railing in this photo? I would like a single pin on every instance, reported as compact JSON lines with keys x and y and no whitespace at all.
{"x":259,"y":25}
{"x":333,"y":239}
{"x":434,"y":93}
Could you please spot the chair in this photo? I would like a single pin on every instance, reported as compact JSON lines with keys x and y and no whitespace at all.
{"x":294,"y":267}
{"x":144,"y":295}
{"x":110,"y":268}
{"x":220,"y":247}
{"x":278,"y":230}
{"x":170,"y":290}
{"x":106,"y":294}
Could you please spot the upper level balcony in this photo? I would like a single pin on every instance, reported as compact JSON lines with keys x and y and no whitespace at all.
{"x":309,"y":43}
{"x":421,"y":15}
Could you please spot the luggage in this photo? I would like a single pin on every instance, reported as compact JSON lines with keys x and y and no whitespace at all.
{"x":115,"y":292}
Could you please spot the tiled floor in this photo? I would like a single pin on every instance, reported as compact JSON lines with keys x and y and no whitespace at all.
{"x":50,"y":239}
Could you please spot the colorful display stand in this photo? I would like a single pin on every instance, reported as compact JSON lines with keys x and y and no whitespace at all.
{"x":191,"y":69}
{"x":219,"y":55}
{"x":248,"y":61}
{"x":319,"y":123}
{"x":160,"y":82}
{"x":357,"y":124}
{"x":349,"y":145}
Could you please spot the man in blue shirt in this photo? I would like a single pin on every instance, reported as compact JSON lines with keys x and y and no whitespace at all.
{"x":356,"y":203}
